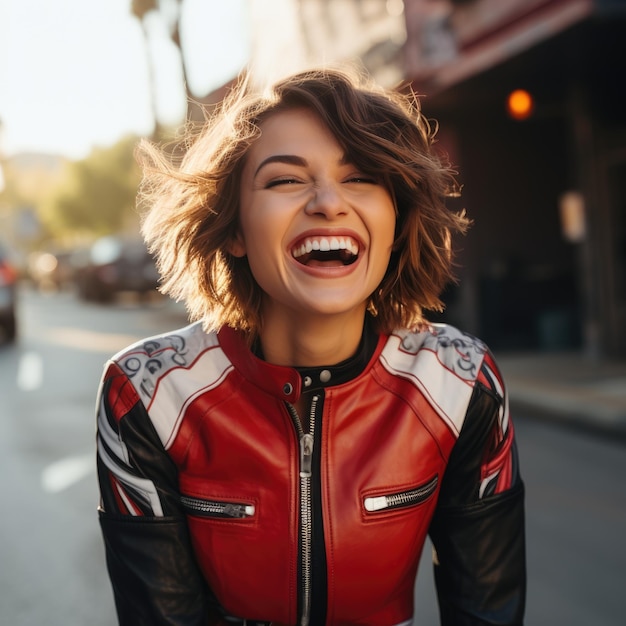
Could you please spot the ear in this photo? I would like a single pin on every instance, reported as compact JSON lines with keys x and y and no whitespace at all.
{"x":237,"y":246}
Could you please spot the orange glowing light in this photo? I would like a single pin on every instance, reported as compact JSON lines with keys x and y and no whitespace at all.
{"x":520,"y":104}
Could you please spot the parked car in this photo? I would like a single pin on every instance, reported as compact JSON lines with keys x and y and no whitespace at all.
{"x":8,"y":297}
{"x":113,"y":265}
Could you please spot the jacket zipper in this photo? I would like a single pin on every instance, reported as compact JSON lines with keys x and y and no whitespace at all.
{"x":401,"y":498}
{"x":216,"y":508}
{"x":306,"y":441}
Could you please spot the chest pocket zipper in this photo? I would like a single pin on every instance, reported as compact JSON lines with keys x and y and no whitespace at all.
{"x":401,"y":499}
{"x":216,"y":509}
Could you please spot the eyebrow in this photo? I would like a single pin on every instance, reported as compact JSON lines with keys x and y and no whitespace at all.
{"x":290,"y":159}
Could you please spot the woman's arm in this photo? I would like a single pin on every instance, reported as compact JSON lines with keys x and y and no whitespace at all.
{"x":150,"y":560}
{"x":478,"y":529}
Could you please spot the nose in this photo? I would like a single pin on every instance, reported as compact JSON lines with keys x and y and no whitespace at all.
{"x":326,"y":201}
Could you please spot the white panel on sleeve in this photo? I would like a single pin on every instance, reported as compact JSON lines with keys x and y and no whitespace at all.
{"x":442,"y":362}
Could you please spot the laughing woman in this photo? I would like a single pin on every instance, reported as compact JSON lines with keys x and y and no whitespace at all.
{"x":283,"y":459}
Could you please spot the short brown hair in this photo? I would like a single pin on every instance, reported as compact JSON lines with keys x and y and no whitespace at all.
{"x":191,"y":209}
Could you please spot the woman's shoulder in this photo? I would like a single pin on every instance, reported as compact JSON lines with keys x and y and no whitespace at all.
{"x":156,"y":355}
{"x":441,"y":346}
{"x":441,"y":362}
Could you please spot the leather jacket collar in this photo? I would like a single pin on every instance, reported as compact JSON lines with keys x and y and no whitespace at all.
{"x":288,"y":383}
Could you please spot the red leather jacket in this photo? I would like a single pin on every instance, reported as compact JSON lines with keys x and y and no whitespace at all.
{"x":219,"y":502}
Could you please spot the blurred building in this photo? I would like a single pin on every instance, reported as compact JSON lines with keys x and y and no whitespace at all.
{"x":288,"y":35}
{"x":530,"y":100}
{"x":544,"y":176}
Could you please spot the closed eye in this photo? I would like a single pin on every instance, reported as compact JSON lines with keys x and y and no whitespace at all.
{"x":281,"y":181}
{"x":368,"y":180}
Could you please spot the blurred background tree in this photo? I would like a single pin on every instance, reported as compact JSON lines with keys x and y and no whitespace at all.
{"x":95,"y":196}
{"x":19,"y":190}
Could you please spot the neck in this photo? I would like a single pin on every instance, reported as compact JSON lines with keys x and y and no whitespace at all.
{"x":311,"y":342}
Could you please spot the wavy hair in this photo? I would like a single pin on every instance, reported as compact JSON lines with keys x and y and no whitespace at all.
{"x":190,"y":207}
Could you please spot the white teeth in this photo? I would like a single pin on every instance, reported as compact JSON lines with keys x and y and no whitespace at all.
{"x":325,"y":244}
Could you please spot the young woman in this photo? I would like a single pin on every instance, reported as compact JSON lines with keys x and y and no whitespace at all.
{"x":282,"y":459}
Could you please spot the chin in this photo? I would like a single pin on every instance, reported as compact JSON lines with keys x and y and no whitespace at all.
{"x":337,"y":307}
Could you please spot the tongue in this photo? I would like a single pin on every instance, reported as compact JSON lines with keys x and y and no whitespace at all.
{"x":328,"y":263}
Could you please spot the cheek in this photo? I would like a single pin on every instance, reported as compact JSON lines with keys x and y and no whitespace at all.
{"x":262,"y":248}
{"x":252,"y":234}
{"x":383,"y":248}
{"x":387,"y":230}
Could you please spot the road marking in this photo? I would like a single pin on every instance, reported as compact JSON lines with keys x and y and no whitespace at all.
{"x":66,"y":472}
{"x":30,"y":371}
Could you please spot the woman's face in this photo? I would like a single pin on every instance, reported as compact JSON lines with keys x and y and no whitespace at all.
{"x":317,"y":231}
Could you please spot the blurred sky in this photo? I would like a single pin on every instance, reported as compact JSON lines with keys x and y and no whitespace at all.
{"x":74,"y":73}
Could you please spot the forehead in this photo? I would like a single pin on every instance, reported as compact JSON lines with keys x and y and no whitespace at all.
{"x":291,"y":131}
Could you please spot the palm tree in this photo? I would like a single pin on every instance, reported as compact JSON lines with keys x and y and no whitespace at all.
{"x":140,"y":9}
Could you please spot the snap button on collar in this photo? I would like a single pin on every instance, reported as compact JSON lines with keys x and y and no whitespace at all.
{"x":287,"y":389}
{"x":325,"y":376}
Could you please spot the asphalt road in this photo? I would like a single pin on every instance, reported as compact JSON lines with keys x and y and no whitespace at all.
{"x":51,"y":559}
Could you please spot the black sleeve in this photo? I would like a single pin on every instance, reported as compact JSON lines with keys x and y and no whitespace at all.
{"x":478,"y":529}
{"x":155,"y":581}
{"x":155,"y":578}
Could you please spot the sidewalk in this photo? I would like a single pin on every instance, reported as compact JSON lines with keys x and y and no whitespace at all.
{"x":568,"y":387}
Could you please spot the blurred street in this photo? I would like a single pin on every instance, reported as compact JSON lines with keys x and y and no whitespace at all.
{"x":53,"y":569}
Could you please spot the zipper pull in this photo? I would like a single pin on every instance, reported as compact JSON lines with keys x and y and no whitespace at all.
{"x":306,"y":455}
{"x":376,"y":504}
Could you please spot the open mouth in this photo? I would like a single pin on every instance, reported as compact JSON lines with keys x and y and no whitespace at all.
{"x":326,"y":251}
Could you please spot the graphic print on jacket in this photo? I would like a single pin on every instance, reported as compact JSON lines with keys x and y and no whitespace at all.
{"x":211,"y":401}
